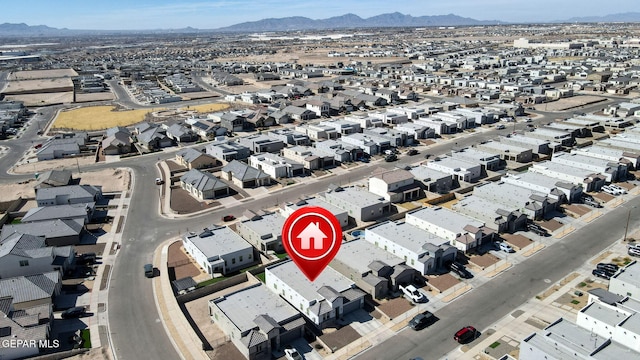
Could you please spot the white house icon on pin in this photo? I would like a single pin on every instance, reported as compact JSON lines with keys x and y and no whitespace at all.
{"x":312,"y":231}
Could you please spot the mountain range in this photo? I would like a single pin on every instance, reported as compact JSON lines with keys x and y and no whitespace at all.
{"x":395,"y":19}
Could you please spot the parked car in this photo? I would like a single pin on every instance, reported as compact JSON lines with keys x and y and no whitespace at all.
{"x":412,"y":152}
{"x":536,"y":229}
{"x":528,"y":120}
{"x":601,"y":273}
{"x":292,"y":354}
{"x":608,"y":267}
{"x":611,"y":191}
{"x":228,"y":218}
{"x":412,"y":293}
{"x":390,"y":158}
{"x":500,"y":127}
{"x":618,"y":187}
{"x":38,"y":146}
{"x":505,"y":247}
{"x":460,"y":270}
{"x":148,"y":270}
{"x":74,"y":312}
{"x":86,"y":258}
{"x":592,"y":202}
{"x":633,"y":251}
{"x":421,"y":320}
{"x":466,"y":334}
{"x":159,"y":181}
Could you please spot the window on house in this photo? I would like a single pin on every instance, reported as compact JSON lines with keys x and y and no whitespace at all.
{"x":240,"y":258}
{"x":24,"y":262}
{"x":233,"y":261}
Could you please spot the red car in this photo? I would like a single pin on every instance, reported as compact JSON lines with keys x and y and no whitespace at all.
{"x":228,"y":218}
{"x":465,"y":334}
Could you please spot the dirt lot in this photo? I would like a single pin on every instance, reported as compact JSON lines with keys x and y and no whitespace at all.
{"x":39,"y":86}
{"x":183,"y":203}
{"x":94,"y":97}
{"x":442,"y":283}
{"x":58,"y":164}
{"x":395,"y":307}
{"x":111,"y":180}
{"x":569,"y":103}
{"x":42,"y":74}
{"x":43,"y":98}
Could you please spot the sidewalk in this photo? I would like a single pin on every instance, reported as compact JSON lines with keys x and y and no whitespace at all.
{"x":182,"y":336}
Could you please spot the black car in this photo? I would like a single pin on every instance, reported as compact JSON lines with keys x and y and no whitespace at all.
{"x":74,"y":312}
{"x":87,"y":258}
{"x":421,"y":321}
{"x":601,"y":273}
{"x":608,"y":267}
{"x":412,"y":152}
{"x":460,"y":270}
{"x":390,"y":158}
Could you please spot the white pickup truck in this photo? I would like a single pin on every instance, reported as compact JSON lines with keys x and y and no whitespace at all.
{"x":412,"y":293}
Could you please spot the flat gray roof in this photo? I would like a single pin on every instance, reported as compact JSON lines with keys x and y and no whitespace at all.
{"x":632,"y":323}
{"x":406,"y":235}
{"x":500,"y":146}
{"x":421,"y":173}
{"x":317,"y":201}
{"x":453,"y":163}
{"x":244,"y":306}
{"x":630,"y":274}
{"x":606,"y":314}
{"x":357,"y":196}
{"x":289,"y":273}
{"x":222,"y":241}
{"x":534,"y":179}
{"x":504,"y":193}
{"x":359,"y":253}
{"x":563,"y":169}
{"x":266,"y":224}
{"x":445,"y":218}
{"x":581,"y":160}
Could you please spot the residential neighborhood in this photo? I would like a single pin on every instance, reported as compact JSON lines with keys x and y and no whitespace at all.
{"x":483,"y":179}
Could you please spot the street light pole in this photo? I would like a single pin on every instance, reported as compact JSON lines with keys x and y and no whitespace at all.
{"x":626,"y":228}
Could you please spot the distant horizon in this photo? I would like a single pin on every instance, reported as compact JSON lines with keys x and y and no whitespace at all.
{"x":208,"y":15}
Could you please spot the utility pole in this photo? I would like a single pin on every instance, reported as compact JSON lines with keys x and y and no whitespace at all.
{"x":626,"y":228}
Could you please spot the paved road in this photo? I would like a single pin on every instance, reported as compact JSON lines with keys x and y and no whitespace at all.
{"x":499,"y":297}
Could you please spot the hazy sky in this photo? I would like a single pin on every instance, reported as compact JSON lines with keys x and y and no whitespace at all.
{"x":165,"y":14}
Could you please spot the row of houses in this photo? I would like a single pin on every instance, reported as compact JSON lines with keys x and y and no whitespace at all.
{"x":35,"y":254}
{"x":607,"y":327}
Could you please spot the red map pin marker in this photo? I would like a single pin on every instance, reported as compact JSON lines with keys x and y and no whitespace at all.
{"x":312,"y":237}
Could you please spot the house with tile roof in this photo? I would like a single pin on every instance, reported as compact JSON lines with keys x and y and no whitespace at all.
{"x":29,"y":325}
{"x":24,"y":254}
{"x":203,"y":185}
{"x":244,"y":176}
{"x":32,"y":290}
{"x":57,"y":232}
{"x":194,"y":159}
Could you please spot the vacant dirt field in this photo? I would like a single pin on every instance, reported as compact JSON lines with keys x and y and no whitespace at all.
{"x":111,"y":180}
{"x":94,"y":96}
{"x":59,"y":164}
{"x":43,"y":98}
{"x":42,"y":74}
{"x":39,"y":86}
{"x":97,"y":118}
